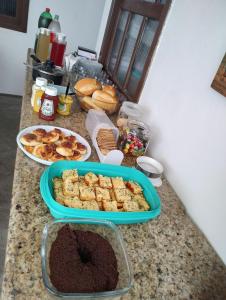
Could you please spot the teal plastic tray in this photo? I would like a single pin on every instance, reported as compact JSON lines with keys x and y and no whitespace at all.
{"x":59,"y":211}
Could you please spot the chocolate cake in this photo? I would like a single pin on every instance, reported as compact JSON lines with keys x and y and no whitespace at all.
{"x":82,"y":261}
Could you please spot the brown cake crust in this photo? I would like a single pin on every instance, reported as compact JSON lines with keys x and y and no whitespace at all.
{"x":82,"y":261}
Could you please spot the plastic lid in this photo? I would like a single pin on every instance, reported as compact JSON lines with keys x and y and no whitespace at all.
{"x":51,"y":91}
{"x":47,"y":9}
{"x":41,"y":81}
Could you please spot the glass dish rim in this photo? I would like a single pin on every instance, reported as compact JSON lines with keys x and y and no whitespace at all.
{"x":84,"y":221}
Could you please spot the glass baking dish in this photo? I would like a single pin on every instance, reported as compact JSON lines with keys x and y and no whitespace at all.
{"x":108,"y":231}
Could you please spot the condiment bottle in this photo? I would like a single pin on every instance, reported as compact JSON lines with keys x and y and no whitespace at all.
{"x":64,"y":105}
{"x":37,"y":91}
{"x":49,"y":103}
{"x":58,"y":49}
{"x":42,"y":51}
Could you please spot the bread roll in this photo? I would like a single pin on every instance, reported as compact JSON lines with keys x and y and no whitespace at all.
{"x":104,"y":97}
{"x":109,"y":89}
{"x":105,"y":101}
{"x":87,"y":86}
{"x":88,"y":103}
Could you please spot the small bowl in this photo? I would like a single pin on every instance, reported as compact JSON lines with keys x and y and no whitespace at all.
{"x":151,"y":168}
{"x":108,"y":231}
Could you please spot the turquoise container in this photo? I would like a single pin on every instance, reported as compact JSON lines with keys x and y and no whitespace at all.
{"x":59,"y":211}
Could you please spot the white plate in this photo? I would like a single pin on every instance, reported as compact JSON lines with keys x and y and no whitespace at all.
{"x":79,"y":138}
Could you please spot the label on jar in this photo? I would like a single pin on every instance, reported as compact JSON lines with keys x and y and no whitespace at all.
{"x":47,"y":108}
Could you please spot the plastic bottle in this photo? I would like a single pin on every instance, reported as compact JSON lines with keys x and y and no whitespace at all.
{"x":42,"y":51}
{"x":49,"y":104}
{"x":45,"y":19}
{"x":58,"y":49}
{"x":37,"y":91}
{"x":54,"y":26}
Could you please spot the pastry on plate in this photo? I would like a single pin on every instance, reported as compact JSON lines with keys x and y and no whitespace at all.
{"x":65,"y":149}
{"x":50,"y":137}
{"x":76,"y":156}
{"x":29,"y":139}
{"x":40,"y":133}
{"x":81,"y":148}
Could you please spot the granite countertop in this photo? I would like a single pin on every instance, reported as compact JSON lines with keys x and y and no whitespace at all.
{"x":170,"y":257}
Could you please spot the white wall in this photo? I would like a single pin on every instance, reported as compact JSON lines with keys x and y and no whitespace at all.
{"x":188,"y":117}
{"x":103,"y":24}
{"x":80,"y":21}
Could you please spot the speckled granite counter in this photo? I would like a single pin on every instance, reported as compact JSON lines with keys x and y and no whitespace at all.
{"x":170,"y":257}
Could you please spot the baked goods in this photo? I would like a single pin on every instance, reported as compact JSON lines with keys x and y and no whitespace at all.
{"x":53,"y":145}
{"x":82,"y":261}
{"x":109,"y":89}
{"x":87,"y":86}
{"x":94,"y":96}
{"x":29,"y":139}
{"x":105,"y":101}
{"x":106,"y":140}
{"x":88,"y":103}
{"x":98,"y":192}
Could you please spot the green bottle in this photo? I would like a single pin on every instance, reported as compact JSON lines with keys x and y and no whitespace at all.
{"x":45,"y":19}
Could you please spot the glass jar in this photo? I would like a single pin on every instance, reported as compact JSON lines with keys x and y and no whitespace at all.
{"x":134,"y":138}
{"x":128,"y":111}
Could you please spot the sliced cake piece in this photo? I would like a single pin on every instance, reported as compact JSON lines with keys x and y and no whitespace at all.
{"x":91,"y":178}
{"x":130,"y":206}
{"x":134,"y":187}
{"x":118,"y":183}
{"x":102,"y":194}
{"x":87,"y":193}
{"x":105,"y":182}
{"x":122,"y":195}
{"x":70,"y":173}
{"x":110,"y":205}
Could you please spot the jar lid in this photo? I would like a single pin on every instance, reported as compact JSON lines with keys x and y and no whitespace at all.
{"x":141,"y":126}
{"x":132,"y":109}
{"x":51,"y":91}
{"x":41,"y":81}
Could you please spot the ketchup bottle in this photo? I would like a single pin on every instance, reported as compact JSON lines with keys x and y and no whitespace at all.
{"x":49,"y":104}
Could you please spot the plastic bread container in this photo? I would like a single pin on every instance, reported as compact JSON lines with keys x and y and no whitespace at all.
{"x":59,"y":211}
{"x":96,"y":120}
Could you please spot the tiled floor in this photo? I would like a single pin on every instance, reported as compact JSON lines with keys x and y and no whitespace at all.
{"x":9,"y":125}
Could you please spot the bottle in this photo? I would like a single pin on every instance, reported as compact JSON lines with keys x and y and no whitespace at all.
{"x":43,"y":44}
{"x":54,"y":26}
{"x":37,"y":91}
{"x":49,"y":104}
{"x":45,"y":19}
{"x":58,"y":49}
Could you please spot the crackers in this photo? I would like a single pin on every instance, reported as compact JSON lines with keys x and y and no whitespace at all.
{"x":106,"y":140}
{"x":98,"y":192}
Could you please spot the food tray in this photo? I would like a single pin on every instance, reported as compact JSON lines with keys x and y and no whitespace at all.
{"x":49,"y":128}
{"x":59,"y":211}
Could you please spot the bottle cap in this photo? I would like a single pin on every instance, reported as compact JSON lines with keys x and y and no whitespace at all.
{"x":51,"y":91}
{"x":41,"y":81}
{"x":42,"y":30}
{"x":47,"y":9}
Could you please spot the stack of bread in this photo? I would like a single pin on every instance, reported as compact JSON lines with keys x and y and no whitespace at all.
{"x":93,"y":95}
